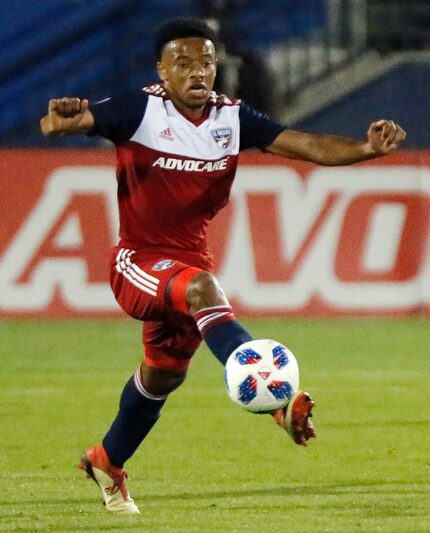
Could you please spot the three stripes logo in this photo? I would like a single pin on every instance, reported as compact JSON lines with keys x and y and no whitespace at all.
{"x":166,"y":134}
{"x":135,"y":275}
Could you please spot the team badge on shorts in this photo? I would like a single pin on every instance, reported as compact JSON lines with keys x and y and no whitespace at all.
{"x":163,"y":264}
{"x":223,"y":137}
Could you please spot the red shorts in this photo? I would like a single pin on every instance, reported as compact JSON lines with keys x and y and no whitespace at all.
{"x":153,"y":290}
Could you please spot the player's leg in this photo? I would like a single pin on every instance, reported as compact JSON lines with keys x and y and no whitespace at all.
{"x":138,"y":412}
{"x":169,"y":345}
{"x":168,"y":349}
{"x":214,"y":316}
{"x":223,"y":334}
{"x":139,"y":409}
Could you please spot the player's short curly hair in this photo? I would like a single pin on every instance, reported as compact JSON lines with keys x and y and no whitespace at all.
{"x":181,"y":28}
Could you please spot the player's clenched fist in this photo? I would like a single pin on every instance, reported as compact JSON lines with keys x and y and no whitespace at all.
{"x":67,"y":115}
{"x":385,"y":136}
{"x":68,"y":107}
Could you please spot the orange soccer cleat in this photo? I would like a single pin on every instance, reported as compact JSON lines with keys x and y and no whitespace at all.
{"x":111,"y":480}
{"x":295,"y":418}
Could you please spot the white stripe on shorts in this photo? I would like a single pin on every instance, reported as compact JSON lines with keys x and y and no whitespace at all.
{"x":135,"y":275}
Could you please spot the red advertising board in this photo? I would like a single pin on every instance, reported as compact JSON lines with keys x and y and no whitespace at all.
{"x":295,"y":239}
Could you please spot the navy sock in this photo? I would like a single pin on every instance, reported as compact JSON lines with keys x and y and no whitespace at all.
{"x":221,"y":331}
{"x":138,"y":412}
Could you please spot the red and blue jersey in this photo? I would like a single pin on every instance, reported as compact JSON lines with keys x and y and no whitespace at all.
{"x":175,"y":174}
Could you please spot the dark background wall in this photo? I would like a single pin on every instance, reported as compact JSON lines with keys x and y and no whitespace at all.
{"x":401,"y":94}
{"x":99,"y":48}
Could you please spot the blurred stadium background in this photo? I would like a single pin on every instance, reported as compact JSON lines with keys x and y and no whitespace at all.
{"x":308,"y":62}
{"x":335,"y":241}
{"x":321,"y":65}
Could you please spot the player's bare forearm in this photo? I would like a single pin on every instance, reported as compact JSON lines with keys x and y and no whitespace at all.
{"x":383,"y":137}
{"x":67,"y":116}
{"x":321,"y":149}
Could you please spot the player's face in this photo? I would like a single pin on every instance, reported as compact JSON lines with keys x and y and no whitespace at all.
{"x":188,"y":69}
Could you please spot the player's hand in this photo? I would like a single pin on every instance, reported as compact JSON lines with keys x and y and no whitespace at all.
{"x":67,"y":107}
{"x":384,"y":136}
{"x":66,"y":115}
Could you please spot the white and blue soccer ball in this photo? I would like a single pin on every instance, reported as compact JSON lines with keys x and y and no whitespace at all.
{"x":261,"y":375}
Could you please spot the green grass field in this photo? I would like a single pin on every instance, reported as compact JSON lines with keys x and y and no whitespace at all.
{"x":208,"y":466}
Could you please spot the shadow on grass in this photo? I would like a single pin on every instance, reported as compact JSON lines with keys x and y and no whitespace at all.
{"x":352,"y":487}
{"x":85,"y":520}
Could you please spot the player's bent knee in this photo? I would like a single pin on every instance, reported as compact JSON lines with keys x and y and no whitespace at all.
{"x":204,"y":291}
{"x":160,"y":382}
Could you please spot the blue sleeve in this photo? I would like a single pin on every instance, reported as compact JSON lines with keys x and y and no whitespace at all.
{"x":118,"y":118}
{"x":257,"y":130}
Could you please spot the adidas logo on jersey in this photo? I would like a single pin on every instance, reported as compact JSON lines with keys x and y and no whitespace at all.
{"x":166,"y":134}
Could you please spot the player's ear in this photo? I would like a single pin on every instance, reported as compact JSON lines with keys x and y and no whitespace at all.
{"x":162,"y":72}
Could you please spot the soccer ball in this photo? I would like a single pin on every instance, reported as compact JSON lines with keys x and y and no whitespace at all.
{"x":261,"y":375}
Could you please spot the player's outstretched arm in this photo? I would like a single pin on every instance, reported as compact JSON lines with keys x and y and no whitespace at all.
{"x":383,"y":137}
{"x":67,"y":116}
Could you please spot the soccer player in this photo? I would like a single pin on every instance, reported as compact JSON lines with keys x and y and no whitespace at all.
{"x":177,"y":149}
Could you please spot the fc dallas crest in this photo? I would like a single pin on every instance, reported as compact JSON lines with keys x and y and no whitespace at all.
{"x":223,"y":137}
